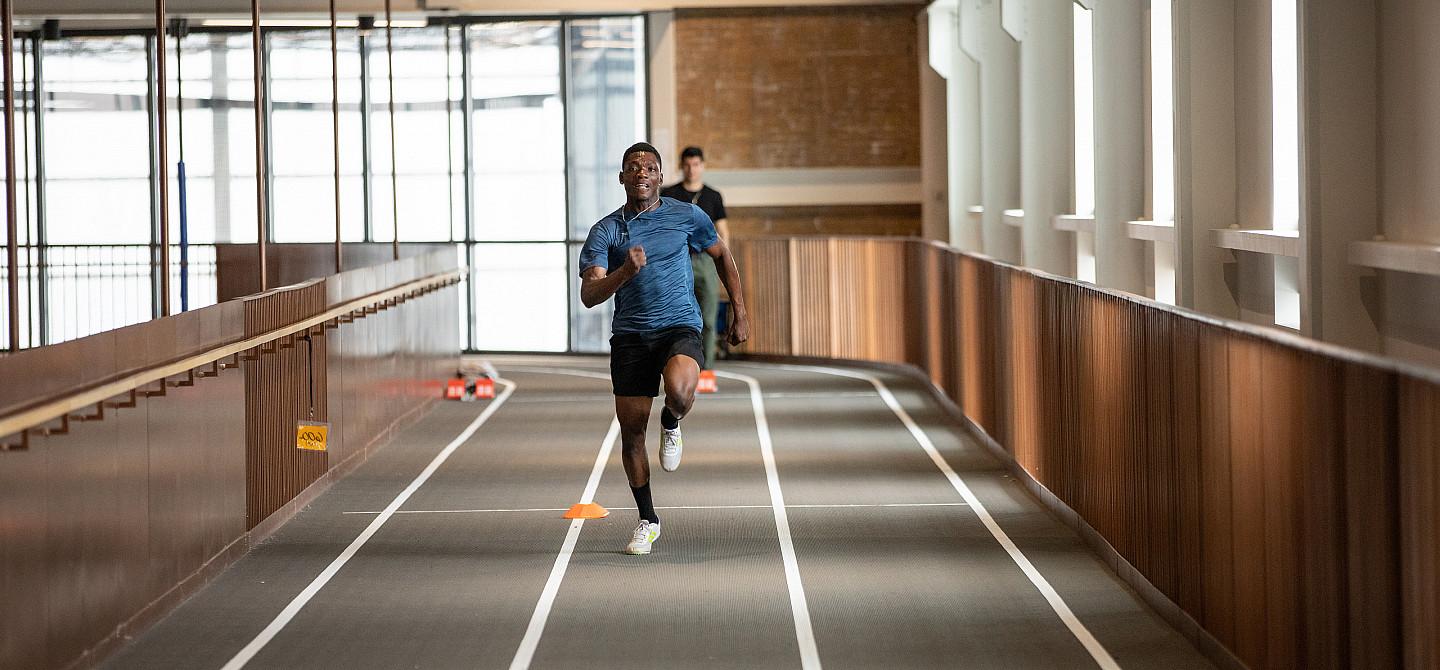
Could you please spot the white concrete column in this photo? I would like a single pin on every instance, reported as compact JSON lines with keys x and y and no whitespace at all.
{"x":1204,"y":152}
{"x":963,"y":135}
{"x":1047,"y":139}
{"x":999,"y":132}
{"x":1339,"y":108}
{"x":1120,"y":176}
{"x":936,"y":45}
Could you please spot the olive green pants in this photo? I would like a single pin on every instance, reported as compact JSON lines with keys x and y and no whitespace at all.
{"x":707,"y":293}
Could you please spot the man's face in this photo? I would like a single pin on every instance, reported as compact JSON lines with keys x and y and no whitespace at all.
{"x":694,"y":168}
{"x":640,"y":175}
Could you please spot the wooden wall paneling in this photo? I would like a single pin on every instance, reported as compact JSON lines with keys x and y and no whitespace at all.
{"x":1059,"y":389}
{"x":852,"y":279}
{"x":1371,"y":461}
{"x":956,"y":301}
{"x":1249,"y":481}
{"x":1103,"y":440}
{"x":947,"y":330}
{"x":996,"y":328}
{"x":277,"y":391}
{"x":1217,"y":486}
{"x":1021,"y":367}
{"x":919,"y":276}
{"x":811,"y":302}
{"x":1187,"y":412}
{"x":1135,"y":499}
{"x":1286,"y":498}
{"x":1282,"y":395}
{"x":1419,"y":432}
{"x":768,"y":277}
{"x":891,"y":297}
{"x":1157,"y":408}
{"x":934,"y":348}
{"x":1321,"y":621}
{"x":973,"y":355}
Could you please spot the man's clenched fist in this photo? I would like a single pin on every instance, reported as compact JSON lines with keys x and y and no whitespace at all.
{"x":636,"y":259}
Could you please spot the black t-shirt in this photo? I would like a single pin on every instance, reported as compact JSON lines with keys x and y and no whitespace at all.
{"x":707,"y":198}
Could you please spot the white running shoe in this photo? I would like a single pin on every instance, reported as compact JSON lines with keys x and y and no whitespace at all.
{"x":670,"y":448}
{"x":645,"y":535}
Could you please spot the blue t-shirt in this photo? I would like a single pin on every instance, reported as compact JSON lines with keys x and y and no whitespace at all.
{"x":662,"y":294}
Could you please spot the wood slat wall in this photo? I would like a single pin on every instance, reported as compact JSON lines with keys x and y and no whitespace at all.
{"x":1284,"y":494}
{"x":278,"y":393}
{"x":106,"y":527}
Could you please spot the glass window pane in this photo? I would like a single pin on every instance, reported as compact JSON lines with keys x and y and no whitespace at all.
{"x":97,"y":140}
{"x":521,"y":297}
{"x":302,"y":137}
{"x":217,"y":144}
{"x":606,"y":114}
{"x":589,"y":327}
{"x":519,"y":131}
{"x":425,"y":139}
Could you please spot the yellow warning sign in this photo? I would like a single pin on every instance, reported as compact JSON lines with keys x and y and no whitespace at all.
{"x":312,"y":435}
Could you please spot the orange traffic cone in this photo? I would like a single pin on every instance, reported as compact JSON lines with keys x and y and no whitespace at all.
{"x":585,"y":510}
{"x":484,"y":387}
{"x":707,"y":382}
{"x":455,"y":389}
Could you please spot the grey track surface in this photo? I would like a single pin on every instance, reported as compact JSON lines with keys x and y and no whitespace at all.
{"x":888,"y":587}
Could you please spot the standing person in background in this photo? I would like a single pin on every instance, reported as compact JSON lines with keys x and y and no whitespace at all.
{"x":707,"y":282}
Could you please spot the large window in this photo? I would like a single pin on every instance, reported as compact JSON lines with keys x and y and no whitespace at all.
{"x":1162,"y":144}
{"x":26,"y":224}
{"x":1084,"y":64}
{"x":519,"y":132}
{"x":302,"y":139}
{"x":425,"y":141}
{"x":212,"y":129}
{"x":1285,"y":152}
{"x":484,"y":113}
{"x":606,"y":75}
{"x":97,"y":146}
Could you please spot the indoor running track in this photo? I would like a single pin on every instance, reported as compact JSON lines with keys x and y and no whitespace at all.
{"x":823,"y":516}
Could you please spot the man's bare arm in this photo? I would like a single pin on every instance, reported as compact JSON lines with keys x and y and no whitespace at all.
{"x":596,"y":285}
{"x":739,"y":329}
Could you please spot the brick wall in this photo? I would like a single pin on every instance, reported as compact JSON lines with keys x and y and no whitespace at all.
{"x":799,"y":88}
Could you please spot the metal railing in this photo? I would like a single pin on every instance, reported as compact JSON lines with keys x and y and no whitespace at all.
{"x":90,"y":402}
{"x":69,"y":291}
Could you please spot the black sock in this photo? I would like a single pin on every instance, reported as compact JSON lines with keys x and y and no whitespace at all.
{"x":668,"y":420}
{"x":642,"y":501}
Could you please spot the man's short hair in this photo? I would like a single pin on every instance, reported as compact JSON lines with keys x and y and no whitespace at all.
{"x":692,"y":152}
{"x":641,"y":147}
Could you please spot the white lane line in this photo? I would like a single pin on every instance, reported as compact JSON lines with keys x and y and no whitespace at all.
{"x":560,"y":371}
{"x":799,"y":609}
{"x":526,"y":652}
{"x":283,"y":619}
{"x":1078,"y":629}
{"x":701,"y":507}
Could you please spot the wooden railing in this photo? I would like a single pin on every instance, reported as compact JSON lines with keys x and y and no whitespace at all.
{"x":139,"y":464}
{"x":1282,"y":493}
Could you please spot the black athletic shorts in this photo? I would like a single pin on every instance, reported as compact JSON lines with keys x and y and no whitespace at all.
{"x":637,"y":360}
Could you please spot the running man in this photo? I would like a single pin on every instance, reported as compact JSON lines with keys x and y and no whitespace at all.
{"x":695,"y":191}
{"x":640,"y":254}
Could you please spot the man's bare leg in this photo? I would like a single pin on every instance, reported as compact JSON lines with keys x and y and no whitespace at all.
{"x":681,"y":374}
{"x":634,"y":414}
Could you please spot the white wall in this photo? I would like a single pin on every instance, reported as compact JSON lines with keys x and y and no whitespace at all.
{"x":1369,"y":128}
